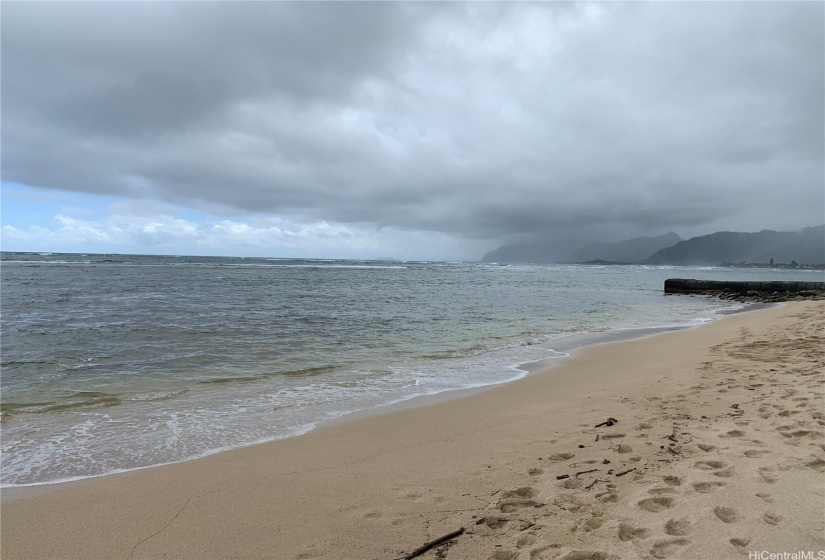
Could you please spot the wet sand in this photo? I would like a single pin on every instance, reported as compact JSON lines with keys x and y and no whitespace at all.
{"x":719,"y":449}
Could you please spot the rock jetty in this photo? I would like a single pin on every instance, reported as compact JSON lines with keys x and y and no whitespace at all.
{"x":765,"y":292}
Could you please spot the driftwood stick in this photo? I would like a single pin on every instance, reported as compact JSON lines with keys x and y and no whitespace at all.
{"x":562,"y":476}
{"x":625,"y":472}
{"x":609,"y":422}
{"x":585,"y":472}
{"x":435,"y":542}
{"x":592,"y":484}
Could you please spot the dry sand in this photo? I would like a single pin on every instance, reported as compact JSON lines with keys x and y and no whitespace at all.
{"x":722,"y":425}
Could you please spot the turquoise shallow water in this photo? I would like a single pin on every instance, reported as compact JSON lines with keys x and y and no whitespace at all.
{"x":115,"y":362}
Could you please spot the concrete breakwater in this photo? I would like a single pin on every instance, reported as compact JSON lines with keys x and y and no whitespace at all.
{"x":771,"y":291}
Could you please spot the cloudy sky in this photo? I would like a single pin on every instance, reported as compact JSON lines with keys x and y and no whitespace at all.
{"x":411,"y":130}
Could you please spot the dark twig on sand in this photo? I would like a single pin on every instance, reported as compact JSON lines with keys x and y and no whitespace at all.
{"x":592,"y":484}
{"x":562,"y":476}
{"x":625,"y":472}
{"x":585,"y":472}
{"x":609,"y":422}
{"x":433,"y":543}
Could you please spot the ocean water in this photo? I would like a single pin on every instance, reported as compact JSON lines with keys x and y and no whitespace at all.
{"x":116,"y":362}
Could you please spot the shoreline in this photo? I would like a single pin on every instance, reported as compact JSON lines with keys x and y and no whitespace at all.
{"x":376,"y":486}
{"x":567,"y":346}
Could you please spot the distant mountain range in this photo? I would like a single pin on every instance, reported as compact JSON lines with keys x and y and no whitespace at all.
{"x":804,"y":247}
{"x":632,"y":250}
{"x":724,"y":247}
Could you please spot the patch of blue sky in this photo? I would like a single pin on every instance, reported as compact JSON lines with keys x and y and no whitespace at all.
{"x":24,"y":206}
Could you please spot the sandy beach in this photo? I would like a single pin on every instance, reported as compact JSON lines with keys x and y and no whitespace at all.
{"x":717,"y":450}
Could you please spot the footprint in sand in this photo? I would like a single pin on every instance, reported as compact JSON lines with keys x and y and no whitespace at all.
{"x":523,"y":492}
{"x":767,"y":475}
{"x":732,"y":434}
{"x":513,"y":500}
{"x":772,"y":518}
{"x":765,"y":496}
{"x":726,"y":514}
{"x":630,"y":533}
{"x":592,"y":524}
{"x":756,"y":453}
{"x":572,"y":483}
{"x":666,"y":549}
{"x":608,"y":497}
{"x":817,"y":465}
{"x":672,"y":480}
{"x":741,"y":545}
{"x":493,"y":522}
{"x":710,"y":465}
{"x":797,"y":434}
{"x":726,"y":473}
{"x":708,"y":487}
{"x":562,"y":456}
{"x":659,"y":490}
{"x":706,"y":447}
{"x":613,"y":436}
{"x":655,"y":505}
{"x":525,"y":540}
{"x":535,"y":472}
{"x":624,"y":448}
{"x":678,"y":527}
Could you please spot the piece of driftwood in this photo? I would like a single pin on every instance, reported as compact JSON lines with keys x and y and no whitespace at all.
{"x":592,"y":484}
{"x":609,"y":422}
{"x":625,"y":472}
{"x":433,"y":543}
{"x":562,"y":476}
{"x":585,"y":472}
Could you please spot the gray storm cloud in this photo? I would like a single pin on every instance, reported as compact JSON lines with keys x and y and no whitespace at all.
{"x":486,"y":121}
